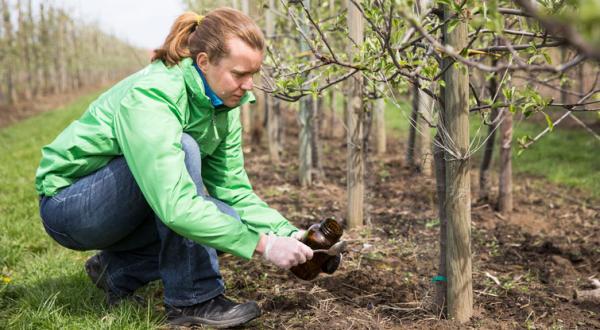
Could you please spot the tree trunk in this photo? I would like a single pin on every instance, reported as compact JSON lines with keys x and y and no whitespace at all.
{"x":305,"y":152}
{"x":488,"y":153}
{"x":44,"y":45}
{"x":412,"y":133}
{"x":9,"y":61}
{"x":440,"y":179}
{"x":484,"y":171}
{"x":379,"y":118}
{"x":333,"y":121}
{"x":355,"y":113}
{"x":257,"y":111}
{"x":245,"y":111}
{"x":25,"y":50}
{"x":271,"y":103}
{"x":458,"y":194}
{"x":581,"y":78}
{"x":258,"y":108}
{"x":317,"y":151}
{"x":281,"y":109}
{"x":245,"y":6}
{"x":424,"y":154}
{"x":564,"y":84}
{"x":32,"y":64}
{"x":505,"y":199}
{"x":273,"y":129}
{"x":306,"y":120}
{"x":77,"y":71}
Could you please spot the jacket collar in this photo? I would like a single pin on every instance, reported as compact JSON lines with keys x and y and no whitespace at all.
{"x":196,"y":86}
{"x":215,"y":100}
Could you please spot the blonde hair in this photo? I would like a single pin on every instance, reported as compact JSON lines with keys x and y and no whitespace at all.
{"x":192,"y":34}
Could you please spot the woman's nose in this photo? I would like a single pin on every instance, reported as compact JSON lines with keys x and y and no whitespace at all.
{"x":247,"y":84}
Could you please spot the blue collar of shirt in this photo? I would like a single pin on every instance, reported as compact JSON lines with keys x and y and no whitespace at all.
{"x":214,"y":99}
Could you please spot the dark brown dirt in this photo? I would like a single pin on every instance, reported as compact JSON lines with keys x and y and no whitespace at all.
{"x":549,"y":247}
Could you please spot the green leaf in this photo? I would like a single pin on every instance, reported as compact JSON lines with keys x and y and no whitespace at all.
{"x":549,"y":121}
{"x":547,"y":57}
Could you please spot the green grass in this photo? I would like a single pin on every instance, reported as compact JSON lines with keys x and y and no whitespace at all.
{"x":43,"y":285}
{"x":569,"y":157}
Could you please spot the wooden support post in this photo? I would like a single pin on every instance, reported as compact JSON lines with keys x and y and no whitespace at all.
{"x":458,"y":192}
{"x":355,"y":112}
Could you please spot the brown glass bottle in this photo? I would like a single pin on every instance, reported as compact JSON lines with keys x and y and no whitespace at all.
{"x":319,"y":236}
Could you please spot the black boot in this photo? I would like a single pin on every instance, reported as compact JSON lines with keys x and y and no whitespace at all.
{"x":96,"y":271}
{"x":218,"y":312}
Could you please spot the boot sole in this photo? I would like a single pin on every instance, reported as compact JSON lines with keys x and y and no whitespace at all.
{"x":188,"y":321}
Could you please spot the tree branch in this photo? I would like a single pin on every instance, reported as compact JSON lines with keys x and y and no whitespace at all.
{"x":555,"y":26}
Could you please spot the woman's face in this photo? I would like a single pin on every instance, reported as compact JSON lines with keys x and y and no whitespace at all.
{"x":232,"y":75}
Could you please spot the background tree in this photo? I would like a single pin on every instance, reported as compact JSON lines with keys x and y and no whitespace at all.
{"x":44,"y":53}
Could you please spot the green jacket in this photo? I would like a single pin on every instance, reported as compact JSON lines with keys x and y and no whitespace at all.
{"x":143,"y":118}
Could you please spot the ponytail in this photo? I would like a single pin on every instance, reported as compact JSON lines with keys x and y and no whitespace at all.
{"x":175,"y":48}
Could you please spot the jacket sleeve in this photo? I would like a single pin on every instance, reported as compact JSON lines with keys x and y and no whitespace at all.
{"x":148,"y":128}
{"x":225,"y":178}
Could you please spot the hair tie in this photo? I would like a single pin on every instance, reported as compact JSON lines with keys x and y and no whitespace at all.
{"x":199,"y":19}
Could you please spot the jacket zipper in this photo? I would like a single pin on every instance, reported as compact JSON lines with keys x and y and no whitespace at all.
{"x":214,"y":123}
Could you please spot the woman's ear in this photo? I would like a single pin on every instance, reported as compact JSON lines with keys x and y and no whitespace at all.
{"x":202,"y":61}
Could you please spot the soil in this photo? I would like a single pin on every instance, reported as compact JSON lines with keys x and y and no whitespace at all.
{"x":525,"y":267}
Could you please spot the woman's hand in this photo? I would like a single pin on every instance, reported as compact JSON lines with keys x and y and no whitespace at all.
{"x":299,"y":235}
{"x":283,"y":252}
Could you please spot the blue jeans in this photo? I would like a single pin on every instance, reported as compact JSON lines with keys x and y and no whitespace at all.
{"x":106,"y":211}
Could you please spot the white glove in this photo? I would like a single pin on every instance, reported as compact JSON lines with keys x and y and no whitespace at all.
{"x":286,"y":252}
{"x":299,"y":235}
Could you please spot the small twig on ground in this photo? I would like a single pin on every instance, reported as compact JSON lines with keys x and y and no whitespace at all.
{"x":485,"y":293}
{"x":493,"y":278}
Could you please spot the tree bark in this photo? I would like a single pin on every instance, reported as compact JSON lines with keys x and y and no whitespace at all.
{"x":11,"y":56}
{"x":440,"y":179}
{"x":458,"y":199}
{"x":273,"y":129}
{"x":32,"y":65}
{"x":306,"y":121}
{"x":245,"y":110}
{"x":333,"y":120}
{"x":581,"y":78}
{"x":305,"y":152}
{"x":412,"y":133}
{"x":484,"y":171}
{"x":25,"y":50}
{"x":271,"y":103}
{"x":379,"y":118}
{"x":44,"y":44}
{"x":564,"y":85}
{"x":258,"y":114}
{"x":424,"y":145}
{"x":355,"y":113}
{"x":505,"y":198}
{"x":317,"y":152}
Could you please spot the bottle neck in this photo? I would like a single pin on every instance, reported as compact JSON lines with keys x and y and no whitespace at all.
{"x":331,"y":229}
